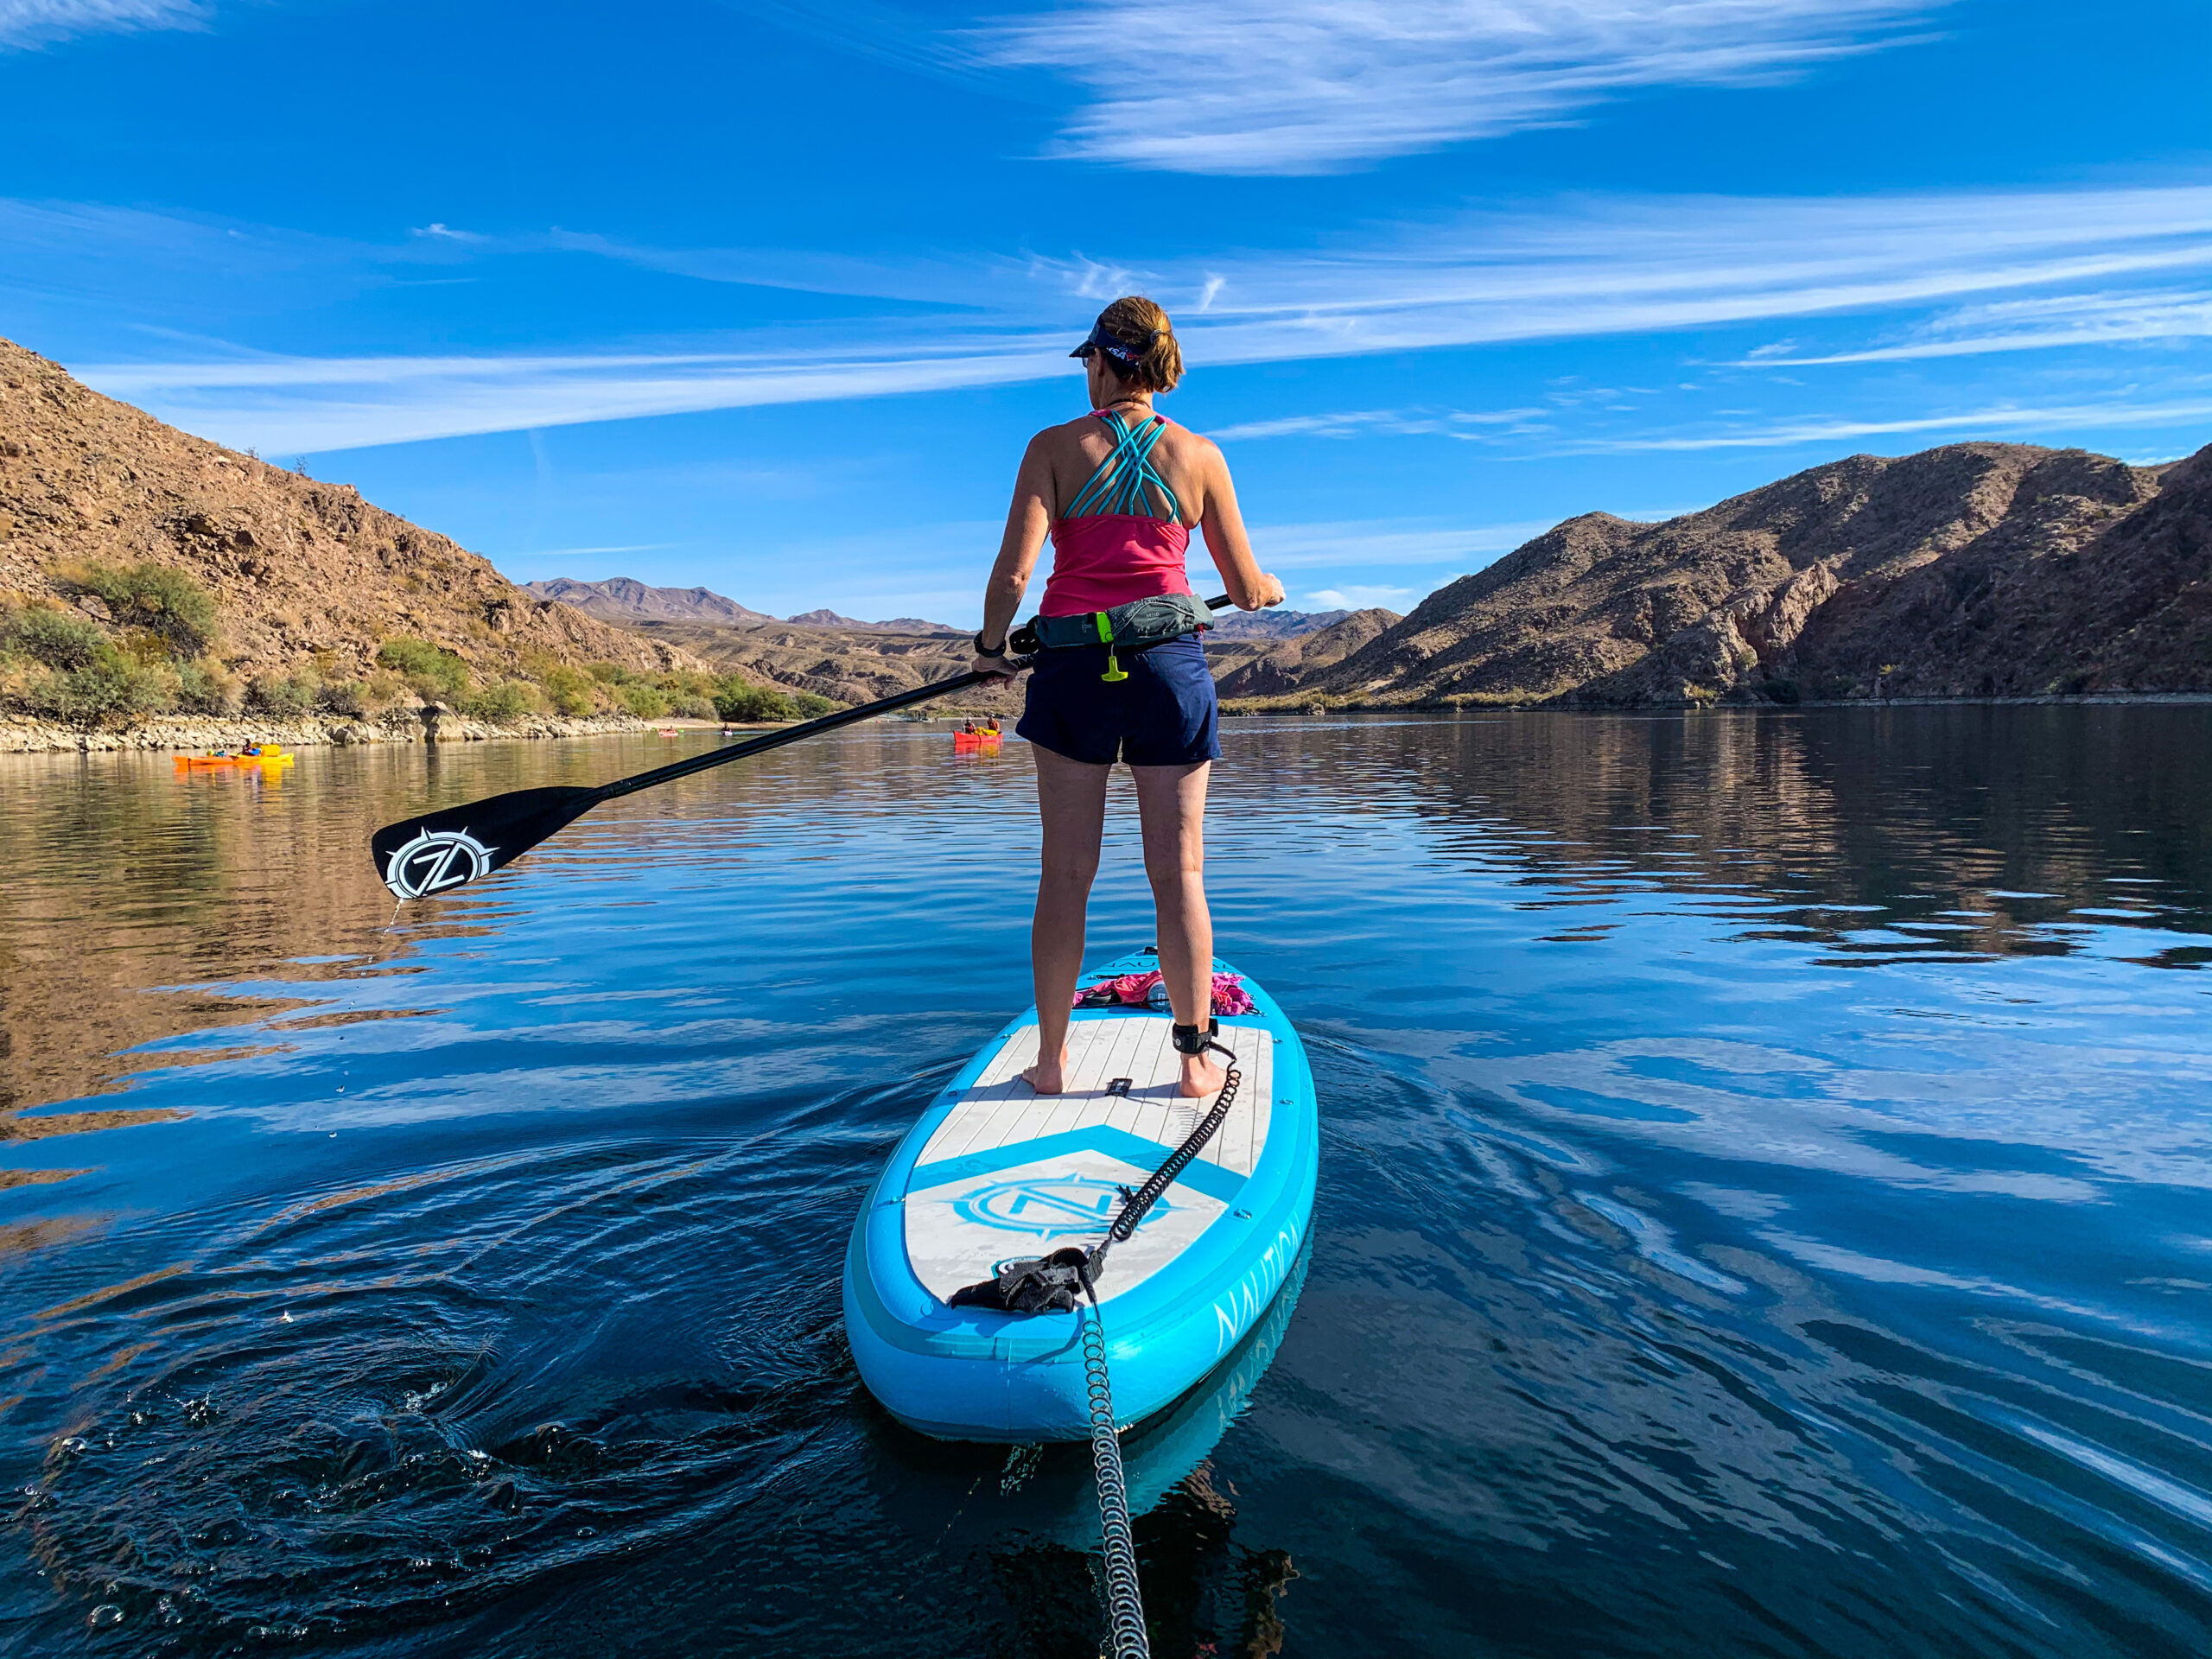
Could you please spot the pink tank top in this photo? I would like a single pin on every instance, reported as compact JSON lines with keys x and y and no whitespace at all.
{"x":1109,"y":548}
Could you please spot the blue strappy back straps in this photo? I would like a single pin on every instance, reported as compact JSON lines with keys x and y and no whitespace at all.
{"x":1118,"y":486}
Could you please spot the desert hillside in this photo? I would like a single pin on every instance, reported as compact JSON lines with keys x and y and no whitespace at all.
{"x":824,"y":654}
{"x":145,"y":570}
{"x":1976,"y":570}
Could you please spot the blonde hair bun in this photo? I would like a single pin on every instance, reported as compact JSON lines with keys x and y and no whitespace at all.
{"x":1142,"y":327}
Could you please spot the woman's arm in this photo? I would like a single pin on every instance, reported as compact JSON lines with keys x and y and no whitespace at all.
{"x":1027,"y":522}
{"x":1252,"y":587}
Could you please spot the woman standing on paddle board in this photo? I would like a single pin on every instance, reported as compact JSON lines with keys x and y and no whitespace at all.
{"x":1118,"y":490}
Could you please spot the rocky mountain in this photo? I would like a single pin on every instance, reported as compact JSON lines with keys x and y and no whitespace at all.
{"x":625,"y":599}
{"x":143,"y":560}
{"x":1273,"y":624}
{"x":1976,"y":570}
{"x":847,"y":664}
{"x":859,"y":664}
{"x":1278,"y":670}
{"x":829,"y":618}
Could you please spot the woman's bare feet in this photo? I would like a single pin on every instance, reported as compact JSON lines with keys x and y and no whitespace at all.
{"x":1201,"y":1077}
{"x":1048,"y":1077}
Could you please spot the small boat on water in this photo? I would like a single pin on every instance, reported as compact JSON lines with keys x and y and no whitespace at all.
{"x":987,"y":739}
{"x":259,"y":754}
{"x":993,"y":1172}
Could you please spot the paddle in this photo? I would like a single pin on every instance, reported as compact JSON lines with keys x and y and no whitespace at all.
{"x":439,"y":851}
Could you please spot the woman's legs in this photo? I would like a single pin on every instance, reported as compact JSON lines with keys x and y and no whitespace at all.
{"x":1071,"y":802}
{"x":1172,"y":805}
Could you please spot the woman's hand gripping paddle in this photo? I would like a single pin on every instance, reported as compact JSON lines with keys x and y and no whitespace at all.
{"x":441,"y":851}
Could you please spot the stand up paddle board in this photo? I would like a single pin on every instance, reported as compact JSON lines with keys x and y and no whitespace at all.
{"x":994,"y":1171}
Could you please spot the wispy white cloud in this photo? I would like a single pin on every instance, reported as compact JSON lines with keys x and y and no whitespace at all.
{"x":2038,"y":324}
{"x":1353,"y":423}
{"x":40,"y":22}
{"x":1578,"y":268}
{"x":324,"y":404}
{"x":1355,"y":598}
{"x":1300,"y":86}
{"x":1997,"y":421}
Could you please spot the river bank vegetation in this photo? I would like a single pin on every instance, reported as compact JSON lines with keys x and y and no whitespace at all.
{"x":117,"y":644}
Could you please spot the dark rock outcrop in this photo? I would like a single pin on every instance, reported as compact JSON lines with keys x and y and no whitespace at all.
{"x":1977,"y":569}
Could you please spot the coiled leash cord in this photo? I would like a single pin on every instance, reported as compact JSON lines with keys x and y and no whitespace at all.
{"x":1125,"y":1625}
{"x":1059,"y":1281}
{"x":1188,"y":1040}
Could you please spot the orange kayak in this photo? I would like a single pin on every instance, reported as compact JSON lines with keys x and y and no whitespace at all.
{"x":266,"y":754}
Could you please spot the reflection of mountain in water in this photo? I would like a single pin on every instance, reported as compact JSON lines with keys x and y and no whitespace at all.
{"x":133,"y":887}
{"x":1878,"y":833}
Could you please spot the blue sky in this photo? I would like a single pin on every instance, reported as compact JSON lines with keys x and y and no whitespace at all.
{"x":729,"y":294}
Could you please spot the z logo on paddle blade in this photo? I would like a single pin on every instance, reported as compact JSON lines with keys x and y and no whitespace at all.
{"x":437,"y":860}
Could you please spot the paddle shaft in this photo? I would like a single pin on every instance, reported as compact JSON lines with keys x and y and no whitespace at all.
{"x":441,"y":850}
{"x":799,"y":733}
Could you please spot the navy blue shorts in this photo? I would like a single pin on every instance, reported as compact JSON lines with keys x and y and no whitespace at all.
{"x":1164,"y":714}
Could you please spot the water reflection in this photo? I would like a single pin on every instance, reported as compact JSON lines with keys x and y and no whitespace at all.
{"x":1763,"y":1205}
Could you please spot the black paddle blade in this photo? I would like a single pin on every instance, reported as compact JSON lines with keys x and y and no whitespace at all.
{"x":441,"y":851}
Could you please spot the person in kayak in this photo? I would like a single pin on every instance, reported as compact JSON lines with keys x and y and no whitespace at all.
{"x":1118,"y":490}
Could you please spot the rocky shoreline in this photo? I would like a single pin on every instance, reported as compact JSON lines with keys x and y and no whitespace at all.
{"x":198,"y":732}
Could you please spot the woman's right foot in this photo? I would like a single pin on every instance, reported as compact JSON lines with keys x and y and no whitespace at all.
{"x":1201,"y":1077}
{"x":1048,"y":1077}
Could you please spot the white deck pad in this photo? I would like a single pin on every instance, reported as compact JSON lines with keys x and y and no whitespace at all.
{"x":1010,"y":1173}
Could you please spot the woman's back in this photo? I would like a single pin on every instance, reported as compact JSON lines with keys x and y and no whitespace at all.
{"x":1124,"y":488}
{"x":1074,"y":450}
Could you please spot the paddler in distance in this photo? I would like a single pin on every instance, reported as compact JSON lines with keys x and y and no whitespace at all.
{"x":1118,"y":490}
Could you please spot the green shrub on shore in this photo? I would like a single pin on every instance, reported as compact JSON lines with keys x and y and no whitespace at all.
{"x":61,"y":664}
{"x":570,"y":690}
{"x":437,"y":674}
{"x":347,"y":697}
{"x":807,"y":705}
{"x":208,"y":688}
{"x":56,"y":639}
{"x":161,"y":600}
{"x":501,"y":704}
{"x":643,"y":701}
{"x":283,"y":697}
{"x":736,"y":698}
{"x":111,"y":691}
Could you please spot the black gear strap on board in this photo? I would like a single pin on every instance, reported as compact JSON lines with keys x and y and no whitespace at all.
{"x":1056,"y":1283}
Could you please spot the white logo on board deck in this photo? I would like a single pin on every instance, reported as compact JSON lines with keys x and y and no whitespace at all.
{"x":437,"y":860}
{"x":1045,"y":1204}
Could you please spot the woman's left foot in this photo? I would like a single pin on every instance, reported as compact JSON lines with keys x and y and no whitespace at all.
{"x":1201,"y":1077}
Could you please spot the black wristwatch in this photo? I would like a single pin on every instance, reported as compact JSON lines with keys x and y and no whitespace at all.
{"x":983,"y":649}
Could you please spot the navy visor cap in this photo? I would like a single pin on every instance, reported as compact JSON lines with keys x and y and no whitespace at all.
{"x":1119,"y":350}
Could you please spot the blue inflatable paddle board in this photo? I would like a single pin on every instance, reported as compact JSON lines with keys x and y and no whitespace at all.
{"x":994,"y":1171}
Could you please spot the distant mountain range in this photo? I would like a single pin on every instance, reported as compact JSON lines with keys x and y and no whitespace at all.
{"x":624,"y":599}
{"x":1272,"y":625}
{"x":1973,"y":570}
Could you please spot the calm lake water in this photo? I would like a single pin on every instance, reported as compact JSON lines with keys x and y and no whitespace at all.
{"x":1766,"y":1201}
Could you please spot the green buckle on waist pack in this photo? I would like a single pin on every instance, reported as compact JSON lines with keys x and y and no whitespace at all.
{"x":1140,"y":624}
{"x":1114,"y":671}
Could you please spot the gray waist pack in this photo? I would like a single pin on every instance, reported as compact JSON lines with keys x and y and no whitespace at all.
{"x":1141,"y":622}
